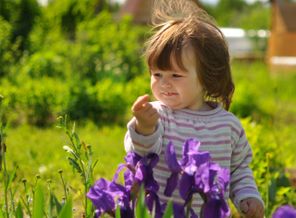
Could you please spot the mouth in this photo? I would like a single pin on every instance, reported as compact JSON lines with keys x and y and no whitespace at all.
{"x":169,"y":94}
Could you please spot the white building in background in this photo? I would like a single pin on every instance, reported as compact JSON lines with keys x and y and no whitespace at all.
{"x":248,"y":44}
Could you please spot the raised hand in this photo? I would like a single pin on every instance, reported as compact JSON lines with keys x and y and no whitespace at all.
{"x":146,"y":116}
{"x":252,"y":208}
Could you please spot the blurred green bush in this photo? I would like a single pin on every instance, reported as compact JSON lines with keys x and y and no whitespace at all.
{"x":269,"y":166}
{"x":89,"y":77}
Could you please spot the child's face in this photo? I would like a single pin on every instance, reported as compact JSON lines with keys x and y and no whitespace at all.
{"x":178,"y":89}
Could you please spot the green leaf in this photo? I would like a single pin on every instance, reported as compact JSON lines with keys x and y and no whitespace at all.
{"x":168,"y":213}
{"x":77,"y":140}
{"x":2,"y":214}
{"x":66,"y":211}
{"x":89,"y":209}
{"x":11,"y":177}
{"x":141,"y":210}
{"x":38,"y":203}
{"x":54,"y":203}
{"x":117,"y":212}
{"x":75,"y":165}
{"x":94,"y":164}
{"x":19,"y":211}
{"x":272,"y":190}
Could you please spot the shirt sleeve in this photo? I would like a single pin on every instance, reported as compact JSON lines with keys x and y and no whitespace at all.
{"x":141,"y":144}
{"x":242,"y":183}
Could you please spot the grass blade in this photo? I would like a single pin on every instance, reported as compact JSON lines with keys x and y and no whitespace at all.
{"x":66,"y":211}
{"x":117,"y":212}
{"x":38,"y":203}
{"x":141,"y":210}
{"x":168,"y":213}
{"x":54,"y":204}
{"x":19,"y":211}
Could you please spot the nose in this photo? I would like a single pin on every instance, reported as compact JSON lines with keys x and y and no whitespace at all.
{"x":165,"y":82}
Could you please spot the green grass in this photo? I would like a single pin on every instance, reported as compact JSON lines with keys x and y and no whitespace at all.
{"x":270,"y":100}
{"x":39,"y":152}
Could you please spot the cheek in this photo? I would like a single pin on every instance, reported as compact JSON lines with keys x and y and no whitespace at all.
{"x":152,"y":82}
{"x":153,"y":85}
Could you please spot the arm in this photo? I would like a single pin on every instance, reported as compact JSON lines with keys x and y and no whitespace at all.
{"x":145,"y":129}
{"x":243,"y":189}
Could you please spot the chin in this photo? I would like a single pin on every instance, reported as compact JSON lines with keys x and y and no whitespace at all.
{"x":173,"y":107}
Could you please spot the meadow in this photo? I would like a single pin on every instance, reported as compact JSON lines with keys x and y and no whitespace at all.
{"x":265,"y":103}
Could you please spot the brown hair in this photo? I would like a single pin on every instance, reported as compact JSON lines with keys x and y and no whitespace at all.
{"x":181,"y":23}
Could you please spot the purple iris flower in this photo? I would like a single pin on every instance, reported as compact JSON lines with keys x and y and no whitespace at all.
{"x":194,"y":173}
{"x":285,"y":211}
{"x":212,"y":209}
{"x":144,"y":176}
{"x":138,"y":171}
{"x":198,"y":174}
{"x":132,"y":158}
{"x":215,"y":205}
{"x":187,"y":166}
{"x":179,"y":211}
{"x":106,"y":195}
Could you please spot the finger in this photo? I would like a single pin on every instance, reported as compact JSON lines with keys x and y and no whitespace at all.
{"x":140,"y":102}
{"x":251,"y":213}
{"x":259,"y":211}
{"x":149,"y":112}
{"x":153,"y":113}
{"x":155,"y":116}
{"x":244,"y":207}
{"x":253,"y":207}
{"x":252,"y":210}
{"x":147,"y":107}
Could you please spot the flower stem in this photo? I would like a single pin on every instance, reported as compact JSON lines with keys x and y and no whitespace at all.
{"x":64,"y":184}
{"x":188,"y":207}
{"x":5,"y":173}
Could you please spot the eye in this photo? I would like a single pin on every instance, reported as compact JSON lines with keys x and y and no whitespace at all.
{"x":158,"y":75}
{"x":175,"y":75}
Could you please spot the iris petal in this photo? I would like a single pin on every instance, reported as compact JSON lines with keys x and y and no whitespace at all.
{"x":171,"y":184}
{"x":171,"y":158}
{"x":200,"y":158}
{"x":150,"y":183}
{"x":202,"y":177}
{"x":128,"y":179}
{"x":211,"y":209}
{"x":140,"y":173}
{"x":186,"y":185}
{"x":100,"y":196}
{"x":153,"y":203}
{"x":178,"y":210}
{"x":132,"y":158}
{"x":285,"y":211}
{"x":190,"y":145}
{"x":154,"y":158}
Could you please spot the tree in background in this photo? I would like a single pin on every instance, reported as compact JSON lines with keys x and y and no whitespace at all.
{"x":22,"y":16}
{"x":69,"y":13}
{"x":239,"y":13}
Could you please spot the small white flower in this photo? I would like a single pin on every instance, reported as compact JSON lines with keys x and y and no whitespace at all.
{"x":68,"y":149}
{"x":42,"y":169}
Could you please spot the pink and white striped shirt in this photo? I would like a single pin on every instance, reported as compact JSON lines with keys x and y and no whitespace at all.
{"x":219,"y":132}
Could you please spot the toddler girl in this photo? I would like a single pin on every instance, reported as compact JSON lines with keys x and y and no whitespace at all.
{"x":191,"y":81}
